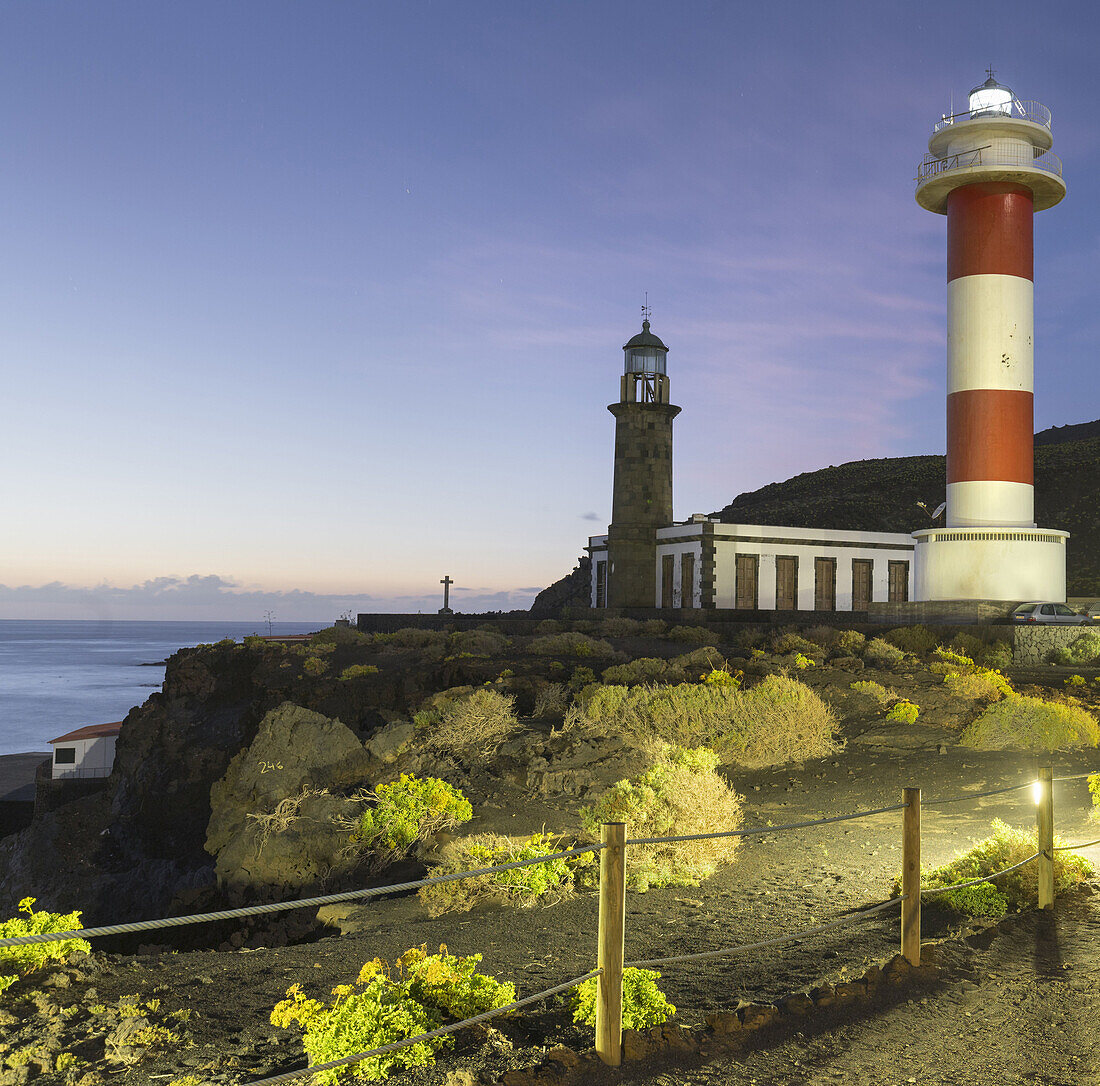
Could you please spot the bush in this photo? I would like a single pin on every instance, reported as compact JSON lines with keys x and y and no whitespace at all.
{"x":1033,"y":724}
{"x":697,"y":660}
{"x":410,"y":810}
{"x":644,"y":1004}
{"x":919,"y":640}
{"x":875,"y":691}
{"x":802,"y":662}
{"x":981,"y":900}
{"x":681,"y":794}
{"x":654,"y":627}
{"x":696,"y":635}
{"x":1094,"y":788}
{"x":620,"y":627}
{"x":413,"y":638}
{"x":787,"y":643}
{"x":569,"y":643}
{"x":537,"y":884}
{"x":823,"y":635}
{"x":314,"y":665}
{"x":340,"y":635}
{"x":778,"y":720}
{"x":978,"y":683}
{"x":482,"y":718}
{"x":645,"y":670}
{"x":903,"y":712}
{"x":849,"y":643}
{"x":549,"y":626}
{"x":357,"y":671}
{"x":881,"y":654}
{"x":722,"y":677}
{"x":1080,"y":651}
{"x":966,"y":644}
{"x":552,"y":701}
{"x":378,"y":1010}
{"x":1006,"y":846}
{"x":25,"y":959}
{"x":478,"y":642}
{"x":998,"y":655}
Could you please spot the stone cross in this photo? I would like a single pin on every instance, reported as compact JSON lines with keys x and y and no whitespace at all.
{"x":446,"y":608}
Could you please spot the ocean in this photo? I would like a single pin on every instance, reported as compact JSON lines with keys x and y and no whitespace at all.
{"x":56,"y":676}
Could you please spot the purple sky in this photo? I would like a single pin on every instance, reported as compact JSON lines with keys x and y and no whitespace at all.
{"x":311,"y":304}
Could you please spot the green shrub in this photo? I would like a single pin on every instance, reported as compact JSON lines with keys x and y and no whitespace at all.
{"x":681,"y":794}
{"x":581,"y":677}
{"x":549,"y":626}
{"x":340,"y":635}
{"x":1094,"y":789}
{"x":849,"y":643}
{"x":721,"y":677}
{"x":875,"y":691}
{"x":378,"y":1010}
{"x":919,"y":640}
{"x":881,"y":654}
{"x":903,"y":712}
{"x":482,"y":718}
{"x":787,"y":643}
{"x":802,"y":662}
{"x":254,"y":641}
{"x":1032,"y":724}
{"x":1081,"y":651}
{"x":696,"y":661}
{"x":410,"y":810}
{"x":822,"y":635}
{"x":978,"y":682}
{"x":478,"y":642}
{"x":620,"y":627}
{"x":778,"y":720}
{"x":358,"y":671}
{"x":644,"y":670}
{"x":654,"y":627}
{"x":314,"y":665}
{"x":967,"y":644}
{"x":697,"y":635}
{"x":410,"y":637}
{"x":998,"y":655}
{"x":1005,"y":847}
{"x":25,"y":959}
{"x":981,"y":900}
{"x":644,"y":1004}
{"x":537,"y":884}
{"x":569,"y":643}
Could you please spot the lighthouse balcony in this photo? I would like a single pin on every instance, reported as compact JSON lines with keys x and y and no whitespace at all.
{"x":1039,"y":170}
{"x":1035,"y":112}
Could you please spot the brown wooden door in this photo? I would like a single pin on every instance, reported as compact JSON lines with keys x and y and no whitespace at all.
{"x":824,"y":584}
{"x":667,"y":569}
{"x":687,"y":580}
{"x":747,"y":566}
{"x":899,"y":582}
{"x":861,"y":583}
{"x":786,"y":583}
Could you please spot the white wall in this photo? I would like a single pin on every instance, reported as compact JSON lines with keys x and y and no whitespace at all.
{"x":694,"y":547}
{"x":1013,"y":565}
{"x":94,"y":758}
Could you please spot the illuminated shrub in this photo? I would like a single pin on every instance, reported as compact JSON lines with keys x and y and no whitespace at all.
{"x":314,"y":665}
{"x":411,"y":810}
{"x":881,"y":654}
{"x":721,"y":677}
{"x":1094,"y":789}
{"x":644,"y":1004}
{"x":680,"y":794}
{"x":1032,"y":724}
{"x":997,"y":656}
{"x":903,"y":712}
{"x":875,"y":691}
{"x":340,"y":635}
{"x":537,"y":884}
{"x":458,"y":719}
{"x":644,"y":670}
{"x":1017,"y":890}
{"x":358,"y":671}
{"x":552,"y":701}
{"x":802,"y":662}
{"x":789,"y":643}
{"x":977,"y":683}
{"x":1080,"y":651}
{"x":849,"y":643}
{"x":967,"y":644}
{"x":696,"y":661}
{"x":379,"y":1009}
{"x":25,"y":959}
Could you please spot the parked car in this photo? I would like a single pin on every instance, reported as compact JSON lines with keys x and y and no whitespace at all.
{"x":1049,"y":614}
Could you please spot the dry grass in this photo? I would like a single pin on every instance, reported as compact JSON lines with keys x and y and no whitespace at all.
{"x":552,"y":701}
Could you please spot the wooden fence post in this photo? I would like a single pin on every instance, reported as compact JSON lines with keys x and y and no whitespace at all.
{"x":609,"y":957}
{"x":1044,"y":813}
{"x":910,"y":876}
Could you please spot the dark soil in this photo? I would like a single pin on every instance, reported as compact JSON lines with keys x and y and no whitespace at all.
{"x":1015,"y":1003}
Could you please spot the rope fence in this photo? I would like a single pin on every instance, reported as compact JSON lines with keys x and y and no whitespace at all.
{"x":610,"y":956}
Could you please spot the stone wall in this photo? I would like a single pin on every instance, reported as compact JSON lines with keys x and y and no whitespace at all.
{"x":1031,"y":645}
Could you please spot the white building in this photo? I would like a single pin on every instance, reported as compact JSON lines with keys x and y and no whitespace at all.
{"x":706,"y":564}
{"x":86,"y":752}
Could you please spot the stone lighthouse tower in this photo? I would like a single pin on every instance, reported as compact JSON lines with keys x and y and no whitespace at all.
{"x":642,"y":496}
{"x":989,"y":169}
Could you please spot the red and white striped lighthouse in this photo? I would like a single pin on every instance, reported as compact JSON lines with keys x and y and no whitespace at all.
{"x":989,"y":170}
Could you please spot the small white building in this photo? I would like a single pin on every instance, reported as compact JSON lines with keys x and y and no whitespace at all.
{"x":707,"y":564}
{"x":86,"y":752}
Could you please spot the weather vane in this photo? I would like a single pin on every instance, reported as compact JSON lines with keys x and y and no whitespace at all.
{"x":989,"y":71}
{"x":645,"y":308}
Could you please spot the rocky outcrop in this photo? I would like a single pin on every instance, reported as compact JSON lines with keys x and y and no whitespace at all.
{"x":573,"y":590}
{"x":278,"y":824}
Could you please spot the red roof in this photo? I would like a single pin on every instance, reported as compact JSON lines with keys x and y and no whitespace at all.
{"x":90,"y":731}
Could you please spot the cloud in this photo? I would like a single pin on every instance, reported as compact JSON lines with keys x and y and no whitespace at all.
{"x":590,"y":516}
{"x":213,"y":597}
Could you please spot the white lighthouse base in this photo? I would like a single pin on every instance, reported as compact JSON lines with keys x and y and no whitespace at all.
{"x":974,"y":563}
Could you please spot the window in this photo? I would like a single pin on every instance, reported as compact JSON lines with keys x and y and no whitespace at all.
{"x":601,"y":584}
{"x":64,"y":756}
{"x":1047,"y":609}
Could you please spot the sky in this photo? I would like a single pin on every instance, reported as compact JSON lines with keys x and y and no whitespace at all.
{"x":311,"y":304}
